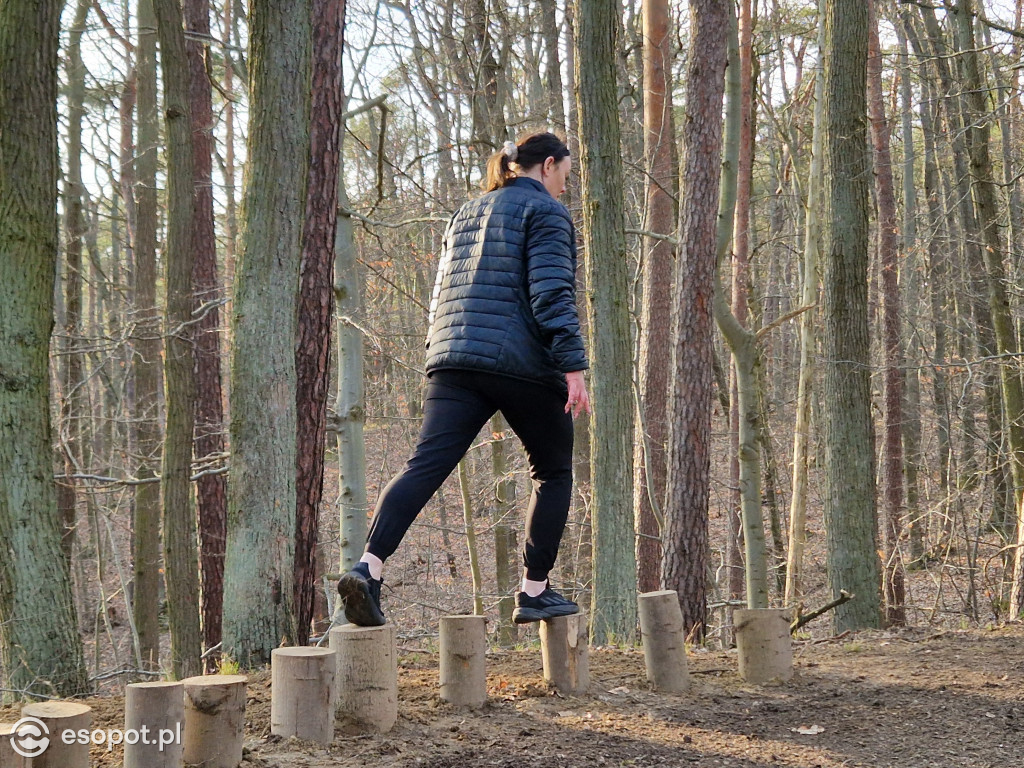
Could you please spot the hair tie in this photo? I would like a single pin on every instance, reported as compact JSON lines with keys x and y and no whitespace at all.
{"x":510,"y":150}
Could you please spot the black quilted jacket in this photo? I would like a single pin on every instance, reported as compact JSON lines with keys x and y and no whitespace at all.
{"x":505,"y":297}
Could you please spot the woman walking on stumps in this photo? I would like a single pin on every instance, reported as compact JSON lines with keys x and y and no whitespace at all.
{"x":503,"y":336}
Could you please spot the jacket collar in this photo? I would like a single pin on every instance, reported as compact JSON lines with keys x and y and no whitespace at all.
{"x":528,"y":183}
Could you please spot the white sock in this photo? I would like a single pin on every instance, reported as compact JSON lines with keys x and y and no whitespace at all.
{"x":534,"y":588}
{"x":375,"y":563}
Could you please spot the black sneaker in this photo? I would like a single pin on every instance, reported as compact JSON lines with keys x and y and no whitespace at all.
{"x":547,"y":605}
{"x":361,"y":594}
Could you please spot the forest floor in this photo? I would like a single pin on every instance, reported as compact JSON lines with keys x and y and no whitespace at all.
{"x":911,"y":698}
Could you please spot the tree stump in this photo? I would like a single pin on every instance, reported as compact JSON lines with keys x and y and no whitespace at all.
{"x":158,"y":707}
{"x":564,"y":650}
{"x":214,"y":720}
{"x":302,"y":693}
{"x":8,"y":757}
{"x":60,"y":716}
{"x":664,"y":639}
{"x":367,"y":678}
{"x":463,"y":661}
{"x":764,"y":644}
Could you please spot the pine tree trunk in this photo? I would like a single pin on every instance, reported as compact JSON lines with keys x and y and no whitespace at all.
{"x":148,"y":350}
{"x":888,"y":245}
{"x":40,"y":648}
{"x":684,"y":565}
{"x":850,"y":512}
{"x":656,"y":302}
{"x":604,"y":239}
{"x":316,"y":301}
{"x":260,"y":557}
{"x":181,"y":563}
{"x":211,"y":489}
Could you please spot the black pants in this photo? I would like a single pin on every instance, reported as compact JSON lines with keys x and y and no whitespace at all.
{"x":457,"y":404}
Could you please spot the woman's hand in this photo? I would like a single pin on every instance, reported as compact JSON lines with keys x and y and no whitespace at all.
{"x":578,"y":399}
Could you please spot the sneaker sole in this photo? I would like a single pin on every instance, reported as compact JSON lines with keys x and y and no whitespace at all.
{"x":530,"y":615}
{"x":359,"y":606}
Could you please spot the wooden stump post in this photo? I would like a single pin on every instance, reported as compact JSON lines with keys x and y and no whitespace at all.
{"x":60,"y":716}
{"x":764,"y":644}
{"x":367,"y":678}
{"x":664,"y":639}
{"x":158,"y":707}
{"x":214,"y":720}
{"x":564,"y":650}
{"x":302,"y":693}
{"x":8,"y":757}
{"x":463,"y":660}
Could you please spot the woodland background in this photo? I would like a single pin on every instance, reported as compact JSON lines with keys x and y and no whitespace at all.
{"x":251,"y":202}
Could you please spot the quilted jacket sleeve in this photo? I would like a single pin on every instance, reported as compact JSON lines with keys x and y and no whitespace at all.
{"x":551,"y":282}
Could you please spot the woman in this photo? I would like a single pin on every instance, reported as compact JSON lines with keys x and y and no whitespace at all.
{"x":504,"y":336}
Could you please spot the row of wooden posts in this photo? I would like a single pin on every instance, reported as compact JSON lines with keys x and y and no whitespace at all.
{"x":353,"y":684}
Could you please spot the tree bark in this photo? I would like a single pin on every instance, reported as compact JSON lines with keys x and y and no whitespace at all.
{"x":148,"y":350}
{"x":604,"y":240}
{"x":316,"y":300}
{"x":888,"y":253}
{"x":850,"y":511}
{"x":40,"y":648}
{"x":684,"y":563}
{"x":211,"y":490}
{"x":260,"y":558}
{"x":181,"y":563}
{"x":661,"y":191}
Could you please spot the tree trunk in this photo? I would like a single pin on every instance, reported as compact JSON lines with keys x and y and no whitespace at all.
{"x":316,"y":301}
{"x":684,"y":564}
{"x":656,"y":302}
{"x":742,"y":343}
{"x":260,"y":557}
{"x":40,"y":648}
{"x":181,"y":563}
{"x":888,"y":246}
{"x":604,"y":238}
{"x":211,"y":489}
{"x":850,"y":512}
{"x":148,"y":351}
{"x":350,"y":404}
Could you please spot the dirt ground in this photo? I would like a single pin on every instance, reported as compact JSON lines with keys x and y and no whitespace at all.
{"x":911,"y":699}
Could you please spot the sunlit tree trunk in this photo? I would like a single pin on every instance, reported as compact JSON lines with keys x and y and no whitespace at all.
{"x":685,"y":559}
{"x":656,"y":302}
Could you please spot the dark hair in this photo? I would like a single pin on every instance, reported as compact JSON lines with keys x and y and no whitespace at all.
{"x":535,"y":148}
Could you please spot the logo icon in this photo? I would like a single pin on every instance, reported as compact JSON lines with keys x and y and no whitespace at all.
{"x":30,"y":737}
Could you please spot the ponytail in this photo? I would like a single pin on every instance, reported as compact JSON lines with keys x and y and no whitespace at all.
{"x":534,"y":149}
